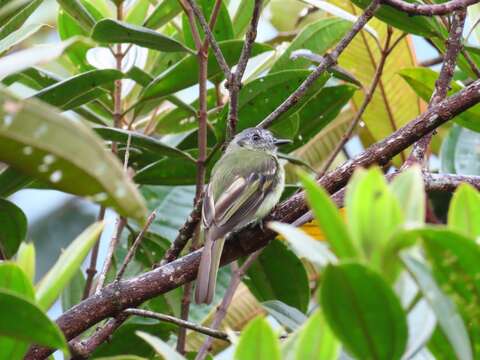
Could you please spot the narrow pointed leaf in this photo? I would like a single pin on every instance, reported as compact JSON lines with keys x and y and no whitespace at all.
{"x":78,"y":11}
{"x":113,"y":31}
{"x":18,"y":36}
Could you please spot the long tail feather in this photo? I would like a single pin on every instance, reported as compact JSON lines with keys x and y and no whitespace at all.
{"x":207,"y":271}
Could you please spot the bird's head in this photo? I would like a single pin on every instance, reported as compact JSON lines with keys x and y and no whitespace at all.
{"x":257,"y":139}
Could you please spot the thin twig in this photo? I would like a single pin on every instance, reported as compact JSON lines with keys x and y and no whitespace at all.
{"x":385,"y":51}
{"x":92,"y":268}
{"x":226,"y":301}
{"x":431,"y":62}
{"x":328,"y":61}
{"x":173,"y":320}
{"x":134,"y":247}
{"x":454,"y":46}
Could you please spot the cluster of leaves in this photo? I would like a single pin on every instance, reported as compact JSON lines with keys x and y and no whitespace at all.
{"x":57,"y":117}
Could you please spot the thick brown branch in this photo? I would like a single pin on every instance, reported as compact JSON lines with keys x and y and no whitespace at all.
{"x":130,"y":293}
{"x":328,"y":61}
{"x":429,"y":10}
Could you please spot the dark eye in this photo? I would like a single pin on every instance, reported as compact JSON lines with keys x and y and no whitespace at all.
{"x":256,"y":137}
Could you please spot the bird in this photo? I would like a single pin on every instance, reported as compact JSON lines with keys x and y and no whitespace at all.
{"x":245,"y":184}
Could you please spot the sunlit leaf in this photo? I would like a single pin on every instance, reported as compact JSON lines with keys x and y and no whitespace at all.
{"x":26,"y":259}
{"x":464,"y":211}
{"x":249,"y":347}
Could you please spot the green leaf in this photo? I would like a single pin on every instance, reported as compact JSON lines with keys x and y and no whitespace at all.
{"x":69,"y":262}
{"x":286,"y":315}
{"x":422,"y":81}
{"x":316,"y":340}
{"x":418,"y":25}
{"x":258,"y":341}
{"x":68,"y":90}
{"x":23,"y":59}
{"x":464,"y":211}
{"x":370,"y":327}
{"x":39,"y":142}
{"x":179,"y":77}
{"x":73,"y":292}
{"x":18,"y":36}
{"x":409,"y":189}
{"x":165,"y":11}
{"x":243,"y":16}
{"x":445,"y":310}
{"x":23,"y":320}
{"x":77,"y":10}
{"x":261,"y":96}
{"x":117,"y":32}
{"x":317,"y":37}
{"x":447,"y":151}
{"x":14,"y":279}
{"x":11,"y":181}
{"x":326,"y":213}
{"x":278,"y":274}
{"x":223,"y":29}
{"x":13,"y":227}
{"x":142,"y":141}
{"x":161,"y":347}
{"x":304,"y":245}
{"x":137,"y":12}
{"x":26,"y":259}
{"x":373,"y":212}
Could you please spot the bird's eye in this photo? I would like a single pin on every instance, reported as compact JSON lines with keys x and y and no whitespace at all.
{"x":256,"y":137}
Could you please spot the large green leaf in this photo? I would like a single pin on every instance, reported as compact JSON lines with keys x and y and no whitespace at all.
{"x":317,"y":37}
{"x":69,"y":262}
{"x":39,"y":142}
{"x":23,"y":59}
{"x":23,"y":320}
{"x":363,"y":312}
{"x":18,"y":36}
{"x":11,"y":181}
{"x":68,"y":91}
{"x":13,"y":227}
{"x":261,"y":96}
{"x":455,"y":260}
{"x":445,"y":310}
{"x":258,"y":341}
{"x":113,"y":31}
{"x":464,"y":211}
{"x":179,"y":76}
{"x":14,"y":279}
{"x":17,"y":20}
{"x":223,"y":29}
{"x":141,"y":141}
{"x":422,"y":81}
{"x":278,"y":274}
{"x":373,"y":213}
{"x":328,"y":217}
{"x":77,"y":10}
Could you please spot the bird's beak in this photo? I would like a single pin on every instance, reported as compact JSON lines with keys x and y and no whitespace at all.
{"x":282,"y":141}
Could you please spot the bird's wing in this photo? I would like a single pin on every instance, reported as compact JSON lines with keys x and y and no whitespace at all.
{"x":237,"y":204}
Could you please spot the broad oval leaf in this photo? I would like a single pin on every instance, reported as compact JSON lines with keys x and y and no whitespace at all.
{"x":69,"y":262}
{"x":72,"y":89}
{"x":14,"y":279}
{"x":13,"y":227}
{"x":464,"y":211}
{"x":179,"y":77}
{"x":370,"y":327}
{"x":38,"y":141}
{"x":23,"y":320}
{"x":118,"y":32}
{"x":258,"y":341}
{"x":278,"y":274}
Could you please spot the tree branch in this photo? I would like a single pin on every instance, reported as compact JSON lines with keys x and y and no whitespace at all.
{"x":328,"y":61}
{"x":430,"y":10}
{"x":442,"y":85}
{"x":130,"y":293}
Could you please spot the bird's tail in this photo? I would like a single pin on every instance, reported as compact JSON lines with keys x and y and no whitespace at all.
{"x":207,"y":271}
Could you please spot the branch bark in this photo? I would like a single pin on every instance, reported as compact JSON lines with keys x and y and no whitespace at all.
{"x":430,"y":10}
{"x":130,"y":293}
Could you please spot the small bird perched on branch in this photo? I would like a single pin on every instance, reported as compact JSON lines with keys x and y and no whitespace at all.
{"x":245,"y":185}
